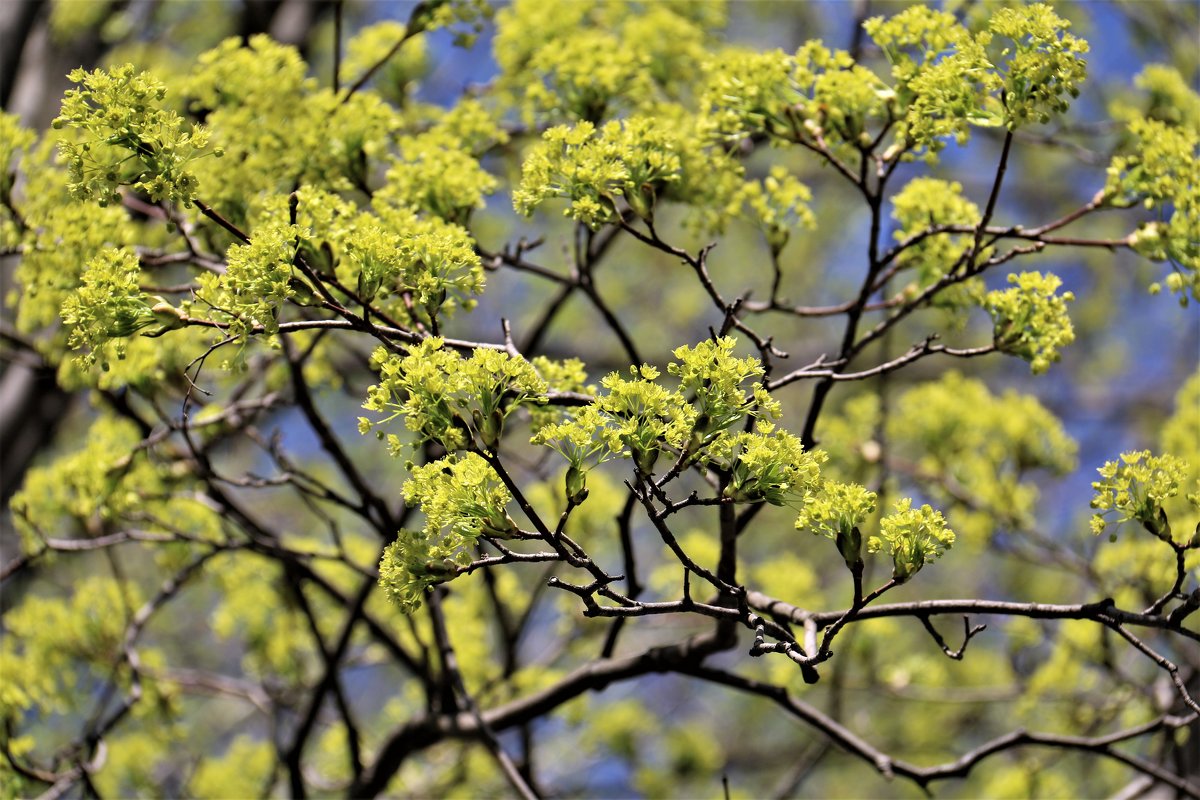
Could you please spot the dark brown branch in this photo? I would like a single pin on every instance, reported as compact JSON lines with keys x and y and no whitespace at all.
{"x":385,"y":526}
{"x":915,"y":353}
{"x":427,"y":731}
{"x":968,"y":634}
{"x":450,"y":665}
{"x":1102,"y":611}
{"x":923,"y":776}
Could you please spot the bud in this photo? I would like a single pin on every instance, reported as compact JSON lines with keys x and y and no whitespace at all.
{"x":127,"y":323}
{"x":499,"y":525}
{"x":777,"y":239}
{"x":167,"y":315}
{"x":699,"y":432}
{"x":849,"y":544}
{"x":902,"y":571}
{"x":302,"y":293}
{"x":442,"y":568}
{"x":492,"y":428}
{"x":641,"y":200}
{"x":576,"y":481}
{"x":1148,"y":235}
{"x":645,"y":458}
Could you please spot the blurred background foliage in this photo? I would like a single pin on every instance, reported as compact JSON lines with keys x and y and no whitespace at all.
{"x":1022,"y":526}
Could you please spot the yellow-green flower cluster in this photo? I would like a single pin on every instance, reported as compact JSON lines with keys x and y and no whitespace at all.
{"x":1181,"y":436}
{"x":414,"y":268}
{"x":1042,"y":68}
{"x":394,"y":251}
{"x":631,"y":160}
{"x":712,"y":181}
{"x":461,"y":494}
{"x":643,"y":416}
{"x":747,"y":92}
{"x":929,"y":202}
{"x":461,"y":403}
{"x":108,"y":307}
{"x":436,"y":175}
{"x":440,"y":268}
{"x":472,"y":126}
{"x":670,"y":45}
{"x":633,"y":418}
{"x":591,"y":59}
{"x":957,"y":424}
{"x":438,"y":171}
{"x":1136,"y":488}
{"x":1166,"y":96}
{"x":645,"y":161}
{"x":586,"y":74}
{"x":462,"y":499}
{"x":912,"y":536}
{"x":279,"y":128}
{"x":1133,"y":570}
{"x":768,"y":465}
{"x":526,"y":26}
{"x":128,"y":138}
{"x":325,"y":220}
{"x":567,"y":375}
{"x":1021,"y":70}
{"x":232,"y":75}
{"x":256,"y":282}
{"x":1030,"y":320}
{"x":58,"y":234}
{"x":912,"y":39}
{"x":777,"y":204}
{"x":48,"y":639}
{"x":1161,"y":168}
{"x":838,"y":511}
{"x":944,"y":77}
{"x":100,"y":482}
{"x":585,"y":439}
{"x":839,"y":97}
{"x":818,"y":95}
{"x":1162,"y":171}
{"x":713,"y":376}
{"x":638,"y":418}
{"x":56,"y":255}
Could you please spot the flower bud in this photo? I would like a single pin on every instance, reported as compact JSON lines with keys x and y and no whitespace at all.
{"x":167,"y":315}
{"x":576,"y":482}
